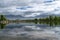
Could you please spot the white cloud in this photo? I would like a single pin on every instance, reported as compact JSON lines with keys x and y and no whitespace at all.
{"x":47,"y":6}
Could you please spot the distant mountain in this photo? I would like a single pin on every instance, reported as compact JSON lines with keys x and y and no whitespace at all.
{"x":13,"y":17}
{"x":46,"y":15}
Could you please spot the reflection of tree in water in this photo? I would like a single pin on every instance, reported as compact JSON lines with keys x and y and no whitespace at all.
{"x":54,"y":23}
{"x":51,"y":23}
{"x":2,"y":26}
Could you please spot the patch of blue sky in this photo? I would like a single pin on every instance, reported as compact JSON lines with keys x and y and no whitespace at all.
{"x":29,"y":7}
{"x":24,"y":7}
{"x":48,"y":1}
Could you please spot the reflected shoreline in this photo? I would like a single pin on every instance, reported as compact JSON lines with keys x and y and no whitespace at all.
{"x":51,"y":24}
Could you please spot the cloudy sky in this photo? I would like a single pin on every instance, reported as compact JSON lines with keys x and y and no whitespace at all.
{"x":29,"y":8}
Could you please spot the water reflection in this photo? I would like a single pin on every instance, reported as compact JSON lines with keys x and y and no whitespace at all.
{"x":2,"y":25}
{"x":50,"y":23}
{"x":29,"y":31}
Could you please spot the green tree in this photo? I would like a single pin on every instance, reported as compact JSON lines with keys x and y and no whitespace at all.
{"x":35,"y":20}
{"x":2,"y":18}
{"x":55,"y":18}
{"x":50,"y":18}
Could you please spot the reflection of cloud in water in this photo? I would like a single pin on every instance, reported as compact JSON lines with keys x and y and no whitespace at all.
{"x":31,"y":28}
{"x":30,"y":32}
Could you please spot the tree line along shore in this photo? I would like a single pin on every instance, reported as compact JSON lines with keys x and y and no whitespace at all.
{"x":50,"y":20}
{"x":46,"y":19}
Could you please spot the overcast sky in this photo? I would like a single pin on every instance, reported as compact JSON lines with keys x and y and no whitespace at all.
{"x":29,"y":8}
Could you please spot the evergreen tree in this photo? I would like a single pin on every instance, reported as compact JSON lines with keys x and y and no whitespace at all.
{"x":35,"y":20}
{"x":2,"y":18}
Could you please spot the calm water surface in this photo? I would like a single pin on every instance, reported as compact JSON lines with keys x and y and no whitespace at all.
{"x":29,"y":31}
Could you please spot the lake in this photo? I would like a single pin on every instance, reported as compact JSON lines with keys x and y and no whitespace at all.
{"x":29,"y":31}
